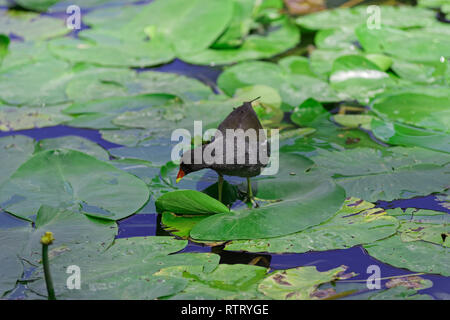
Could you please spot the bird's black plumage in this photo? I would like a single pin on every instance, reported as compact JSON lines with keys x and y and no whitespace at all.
{"x":242,"y":117}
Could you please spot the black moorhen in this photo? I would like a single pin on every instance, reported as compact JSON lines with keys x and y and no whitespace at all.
{"x":243,"y":117}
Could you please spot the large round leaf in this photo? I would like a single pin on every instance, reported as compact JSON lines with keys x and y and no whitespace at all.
{"x":386,"y":175}
{"x":68,"y":178}
{"x":297,"y":201}
{"x":356,"y":223}
{"x":417,"y":256}
{"x":124,"y":270}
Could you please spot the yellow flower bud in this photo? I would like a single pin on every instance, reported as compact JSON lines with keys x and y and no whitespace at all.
{"x":47,"y":238}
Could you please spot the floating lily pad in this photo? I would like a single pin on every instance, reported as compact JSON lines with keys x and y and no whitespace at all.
{"x":358,"y":77}
{"x":71,"y":179}
{"x":236,"y":281}
{"x":410,"y":45}
{"x":14,"y":150}
{"x":4,"y":43}
{"x":299,"y":198}
{"x":297,"y":284}
{"x":106,"y":50}
{"x":189,"y":202}
{"x":239,"y":25}
{"x":307,"y":112}
{"x":123,"y":271}
{"x":13,"y":240}
{"x":98,"y":114}
{"x":281,"y":36}
{"x":30,"y":25}
{"x":293,"y":84}
{"x":74,"y":143}
{"x":404,"y":135}
{"x":190,"y":27}
{"x":400,"y":17}
{"x":416,"y":109}
{"x":417,"y":256}
{"x":386,"y":175}
{"x":20,"y":118}
{"x":41,"y":83}
{"x":356,"y":223}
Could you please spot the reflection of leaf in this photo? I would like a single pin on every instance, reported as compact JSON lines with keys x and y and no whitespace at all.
{"x":298,"y":283}
{"x":356,"y":223}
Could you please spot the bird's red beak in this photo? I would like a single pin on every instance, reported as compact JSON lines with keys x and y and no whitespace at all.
{"x":180,"y":175}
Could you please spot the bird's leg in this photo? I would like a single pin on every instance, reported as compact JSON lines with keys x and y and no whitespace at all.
{"x":250,"y":198}
{"x":220,"y":186}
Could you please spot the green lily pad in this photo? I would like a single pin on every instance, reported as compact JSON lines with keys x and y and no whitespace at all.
{"x":358,"y":77}
{"x":98,"y":114}
{"x":180,"y":226}
{"x":299,"y":198}
{"x":404,"y":135}
{"x":14,"y":150}
{"x":307,"y":112}
{"x":36,"y":5}
{"x":400,"y":293}
{"x":400,"y":17}
{"x":189,"y":27}
{"x":297,"y":284}
{"x":417,"y":256}
{"x":239,"y":25}
{"x":189,"y":202}
{"x":356,"y":223}
{"x":30,"y":25}
{"x":41,"y":82}
{"x":353,"y":120}
{"x":294,"y":85}
{"x":236,"y":281}
{"x":386,"y":175}
{"x":321,"y":60}
{"x":421,"y":72}
{"x":70,"y":229}
{"x":416,"y":109}
{"x":71,"y":179}
{"x":13,"y":240}
{"x":281,"y":36}
{"x":124,"y":270}
{"x":340,"y":38}
{"x":20,"y":118}
{"x":161,"y":121}
{"x":410,"y":45}
{"x":107,"y":50}
{"x":4,"y":43}
{"x":74,"y":143}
